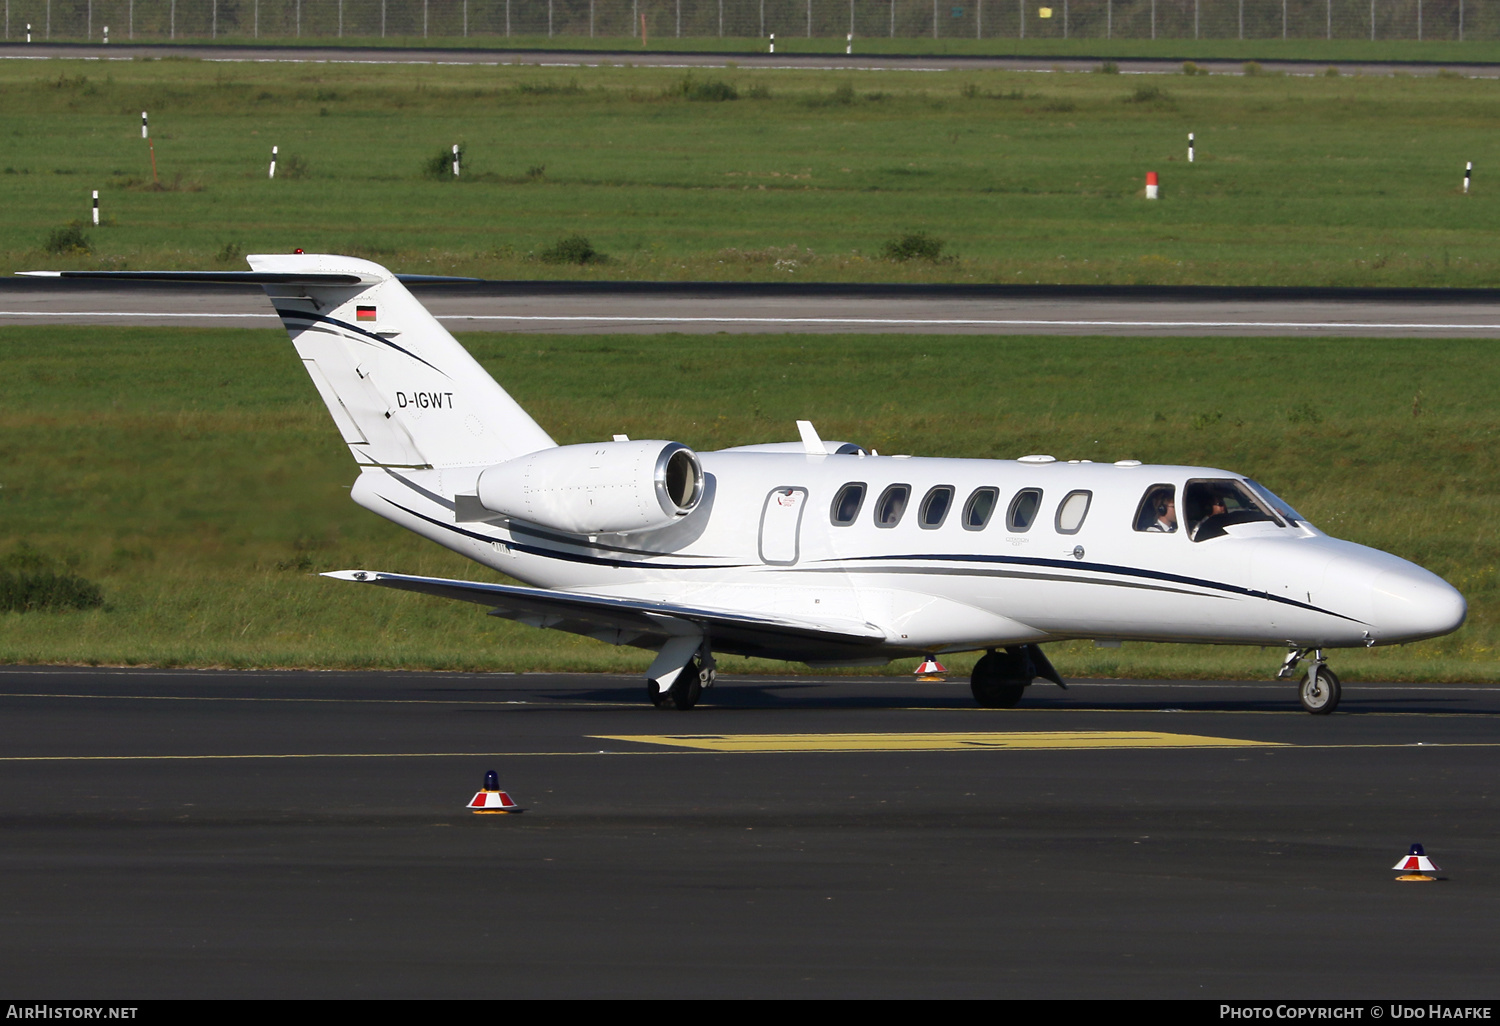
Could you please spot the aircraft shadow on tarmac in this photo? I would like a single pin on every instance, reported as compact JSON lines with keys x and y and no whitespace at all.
{"x":744,"y":695}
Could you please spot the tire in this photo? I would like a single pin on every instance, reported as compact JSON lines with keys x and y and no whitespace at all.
{"x":1319,"y":692}
{"x":688,"y":688}
{"x":995,"y":682}
{"x":684,"y":692}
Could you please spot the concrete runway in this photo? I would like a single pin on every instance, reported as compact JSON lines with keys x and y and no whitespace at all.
{"x":563,"y":58}
{"x":580,"y":307}
{"x":218,"y":834}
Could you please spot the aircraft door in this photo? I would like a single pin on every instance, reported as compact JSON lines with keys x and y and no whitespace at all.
{"x":781,"y":526}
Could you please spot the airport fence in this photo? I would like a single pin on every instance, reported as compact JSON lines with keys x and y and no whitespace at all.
{"x":447,"y":20}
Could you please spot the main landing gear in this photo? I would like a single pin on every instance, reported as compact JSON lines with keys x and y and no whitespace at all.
{"x":684,"y":692}
{"x":1000,"y":678}
{"x":1319,"y":689}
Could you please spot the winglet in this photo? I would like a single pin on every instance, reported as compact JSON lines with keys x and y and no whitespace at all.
{"x":351,"y":575}
{"x":811,"y":443}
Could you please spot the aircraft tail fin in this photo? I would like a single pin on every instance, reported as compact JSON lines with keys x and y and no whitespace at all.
{"x":401,"y":389}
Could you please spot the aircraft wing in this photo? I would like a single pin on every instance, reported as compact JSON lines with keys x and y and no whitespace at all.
{"x":623,"y":621}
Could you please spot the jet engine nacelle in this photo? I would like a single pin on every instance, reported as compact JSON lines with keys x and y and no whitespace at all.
{"x":596,"y":487}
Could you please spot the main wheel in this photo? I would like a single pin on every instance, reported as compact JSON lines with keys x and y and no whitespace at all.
{"x":996,"y":681}
{"x":684,"y":692}
{"x":1320,"y":691}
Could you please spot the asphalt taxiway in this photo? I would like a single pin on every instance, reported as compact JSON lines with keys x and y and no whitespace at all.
{"x":200,"y":833}
{"x":750,"y":307}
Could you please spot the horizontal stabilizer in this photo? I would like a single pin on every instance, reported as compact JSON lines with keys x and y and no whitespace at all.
{"x":246,"y":277}
{"x":624,"y":621}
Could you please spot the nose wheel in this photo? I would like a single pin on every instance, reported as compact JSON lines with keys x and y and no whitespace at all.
{"x":1319,"y":689}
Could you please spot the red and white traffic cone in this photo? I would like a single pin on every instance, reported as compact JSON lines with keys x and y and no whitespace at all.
{"x":1151,"y":185}
{"x":930,"y":670}
{"x":1416,"y":865}
{"x":493,"y":800}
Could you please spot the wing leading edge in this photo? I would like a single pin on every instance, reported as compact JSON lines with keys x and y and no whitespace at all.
{"x":643,"y":624}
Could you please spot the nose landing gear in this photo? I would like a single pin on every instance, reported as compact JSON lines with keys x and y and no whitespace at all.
{"x":1319,"y":689}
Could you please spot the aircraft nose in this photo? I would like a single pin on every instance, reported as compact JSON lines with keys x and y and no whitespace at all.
{"x":1411,"y":603}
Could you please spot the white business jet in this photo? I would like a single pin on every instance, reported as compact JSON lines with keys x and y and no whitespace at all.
{"x":816,"y":551}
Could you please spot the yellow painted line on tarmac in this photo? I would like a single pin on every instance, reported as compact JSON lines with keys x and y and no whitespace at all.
{"x":947,"y":741}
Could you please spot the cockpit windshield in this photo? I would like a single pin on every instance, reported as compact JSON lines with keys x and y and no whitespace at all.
{"x":1278,"y":504}
{"x":1215,"y":504}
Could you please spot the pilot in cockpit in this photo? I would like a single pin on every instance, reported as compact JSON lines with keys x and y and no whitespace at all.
{"x":1214,"y":504}
{"x":1162,"y":503}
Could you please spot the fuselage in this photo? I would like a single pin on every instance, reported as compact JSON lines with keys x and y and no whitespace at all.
{"x":960,"y":554}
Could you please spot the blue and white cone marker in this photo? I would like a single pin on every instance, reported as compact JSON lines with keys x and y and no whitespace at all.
{"x":930,"y":670}
{"x":492,"y":800}
{"x":1416,"y":865}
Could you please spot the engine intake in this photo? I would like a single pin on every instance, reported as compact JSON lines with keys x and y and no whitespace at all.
{"x":597,"y":487}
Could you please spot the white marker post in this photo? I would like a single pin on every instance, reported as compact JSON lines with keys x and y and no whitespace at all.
{"x":28,"y":32}
{"x":273,"y":162}
{"x":455,"y":160}
{"x":1468,"y":171}
{"x":96,"y":208}
{"x":106,"y":35}
{"x":773,"y":39}
{"x":143,"y":125}
{"x":1190,"y":147}
{"x":849,"y":49}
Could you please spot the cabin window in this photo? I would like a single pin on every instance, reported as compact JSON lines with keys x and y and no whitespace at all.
{"x":1157,"y":513}
{"x":1072,"y":510}
{"x":1023,"y":509}
{"x":846,"y":504}
{"x":891,"y":505}
{"x":1213,"y":505}
{"x":980,"y":507}
{"x":935,"y":507}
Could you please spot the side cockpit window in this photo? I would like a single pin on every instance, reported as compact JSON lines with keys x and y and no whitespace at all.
{"x":1157,"y":513}
{"x":846,"y":504}
{"x":1213,"y":505}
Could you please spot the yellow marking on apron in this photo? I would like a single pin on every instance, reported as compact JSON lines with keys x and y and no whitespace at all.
{"x":935,"y":742}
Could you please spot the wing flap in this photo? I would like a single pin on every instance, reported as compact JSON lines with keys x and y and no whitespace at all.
{"x":643,"y":623}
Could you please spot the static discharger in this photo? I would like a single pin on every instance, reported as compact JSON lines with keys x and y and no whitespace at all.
{"x":930,"y":670}
{"x":1416,"y":867}
{"x":492,"y":800}
{"x":1151,"y":185}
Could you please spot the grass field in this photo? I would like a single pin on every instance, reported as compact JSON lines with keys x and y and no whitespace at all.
{"x":1429,"y":51}
{"x":195,"y":477}
{"x":1024,"y":177}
